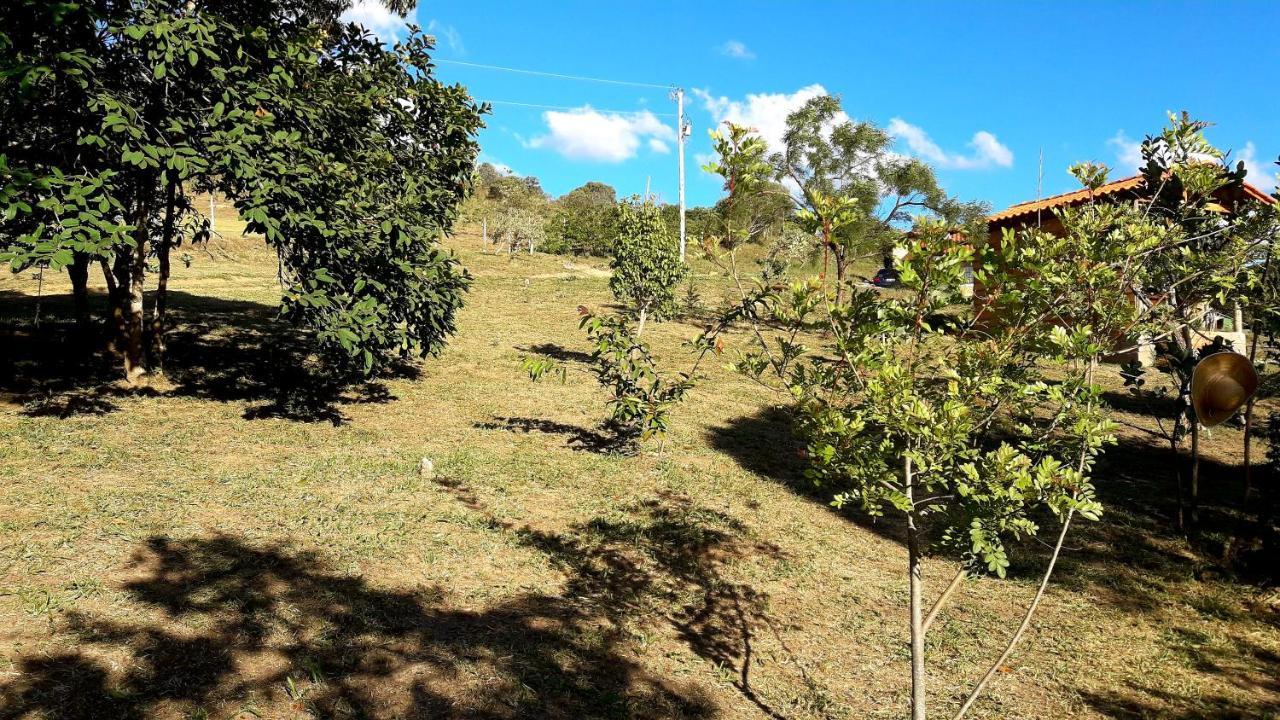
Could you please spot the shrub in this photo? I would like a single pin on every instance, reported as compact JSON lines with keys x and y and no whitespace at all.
{"x":646,"y":263}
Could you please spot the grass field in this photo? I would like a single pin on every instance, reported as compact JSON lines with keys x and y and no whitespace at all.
{"x":245,"y":539}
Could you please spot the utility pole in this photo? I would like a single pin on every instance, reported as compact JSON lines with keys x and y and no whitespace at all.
{"x":683,"y":129}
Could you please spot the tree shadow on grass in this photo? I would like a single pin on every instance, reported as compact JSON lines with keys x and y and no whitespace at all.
{"x":1135,"y":481}
{"x":557,"y":352}
{"x":1162,"y":406}
{"x":604,"y":441}
{"x":1133,"y":558}
{"x":218,"y":349}
{"x":765,"y":444}
{"x":1137,"y":702}
{"x":216,"y":626}
{"x":1135,"y":554}
{"x":664,"y":559}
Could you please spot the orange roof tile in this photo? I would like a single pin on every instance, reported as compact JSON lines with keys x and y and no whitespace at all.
{"x":1083,"y":195}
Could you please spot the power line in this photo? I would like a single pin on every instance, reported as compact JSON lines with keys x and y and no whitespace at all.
{"x":568,"y":108}
{"x":554,"y":75}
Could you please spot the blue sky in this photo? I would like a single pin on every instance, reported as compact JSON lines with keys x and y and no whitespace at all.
{"x":977,"y":89}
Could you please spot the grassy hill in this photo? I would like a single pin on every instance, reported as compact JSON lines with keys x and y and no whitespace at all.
{"x":247,"y":538}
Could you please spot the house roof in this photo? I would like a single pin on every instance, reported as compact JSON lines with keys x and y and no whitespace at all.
{"x":1081,"y":196}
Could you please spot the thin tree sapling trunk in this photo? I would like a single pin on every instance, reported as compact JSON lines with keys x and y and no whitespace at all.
{"x":1248,"y":406}
{"x":840,"y":270}
{"x":941,"y":602}
{"x":1044,"y":583}
{"x":917,"y":591}
{"x":1022,"y":629}
{"x":1193,"y":509}
{"x":109,"y":279}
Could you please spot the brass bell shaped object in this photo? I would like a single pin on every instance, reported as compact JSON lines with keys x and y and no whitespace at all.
{"x":1220,"y":385}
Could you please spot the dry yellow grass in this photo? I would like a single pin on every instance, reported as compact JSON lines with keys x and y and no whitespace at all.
{"x":201,"y":551}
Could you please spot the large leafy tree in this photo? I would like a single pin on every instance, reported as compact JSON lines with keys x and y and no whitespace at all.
{"x":581,"y":222}
{"x":349,"y":156}
{"x":855,"y":193}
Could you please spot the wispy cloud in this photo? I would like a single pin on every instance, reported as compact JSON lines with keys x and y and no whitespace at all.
{"x":449,"y":34}
{"x":376,"y":18}
{"x":737,"y":50}
{"x":588,"y":134}
{"x":1259,"y":173}
{"x":1128,"y":151}
{"x":986,"y":150}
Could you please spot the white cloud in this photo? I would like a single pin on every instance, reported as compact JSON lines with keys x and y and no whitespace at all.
{"x":987,"y":149}
{"x":376,"y":18}
{"x":1128,"y":152}
{"x":587,"y":134}
{"x":1260,"y":174}
{"x":659,"y":146}
{"x":501,"y":167}
{"x":450,"y":35}
{"x":766,"y":113}
{"x":737,"y":50}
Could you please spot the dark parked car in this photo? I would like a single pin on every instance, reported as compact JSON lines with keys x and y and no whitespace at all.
{"x":885,"y":278}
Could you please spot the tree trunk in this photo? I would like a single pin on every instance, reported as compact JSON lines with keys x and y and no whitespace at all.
{"x":826,"y":252}
{"x":130,"y":271}
{"x":159,"y":311}
{"x":1193,"y":507}
{"x":644,"y":312}
{"x":1184,"y":400}
{"x":78,"y":272}
{"x":1248,"y":407}
{"x":1180,"y":519}
{"x":941,"y":602}
{"x":840,"y":270}
{"x":1248,"y":443}
{"x":109,"y":279}
{"x":917,"y":591}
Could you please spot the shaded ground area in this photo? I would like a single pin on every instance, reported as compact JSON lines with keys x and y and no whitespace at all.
{"x":228,"y":625}
{"x":1135,"y":560}
{"x":223,"y":625}
{"x":221,"y":350}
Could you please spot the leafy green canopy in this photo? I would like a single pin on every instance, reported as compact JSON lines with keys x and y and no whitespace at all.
{"x":847,"y":168}
{"x":646,"y":261}
{"x":581,"y":222}
{"x":348,"y":156}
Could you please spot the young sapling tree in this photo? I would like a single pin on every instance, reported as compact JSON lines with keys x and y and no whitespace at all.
{"x":646,"y":263}
{"x":915,"y":406}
